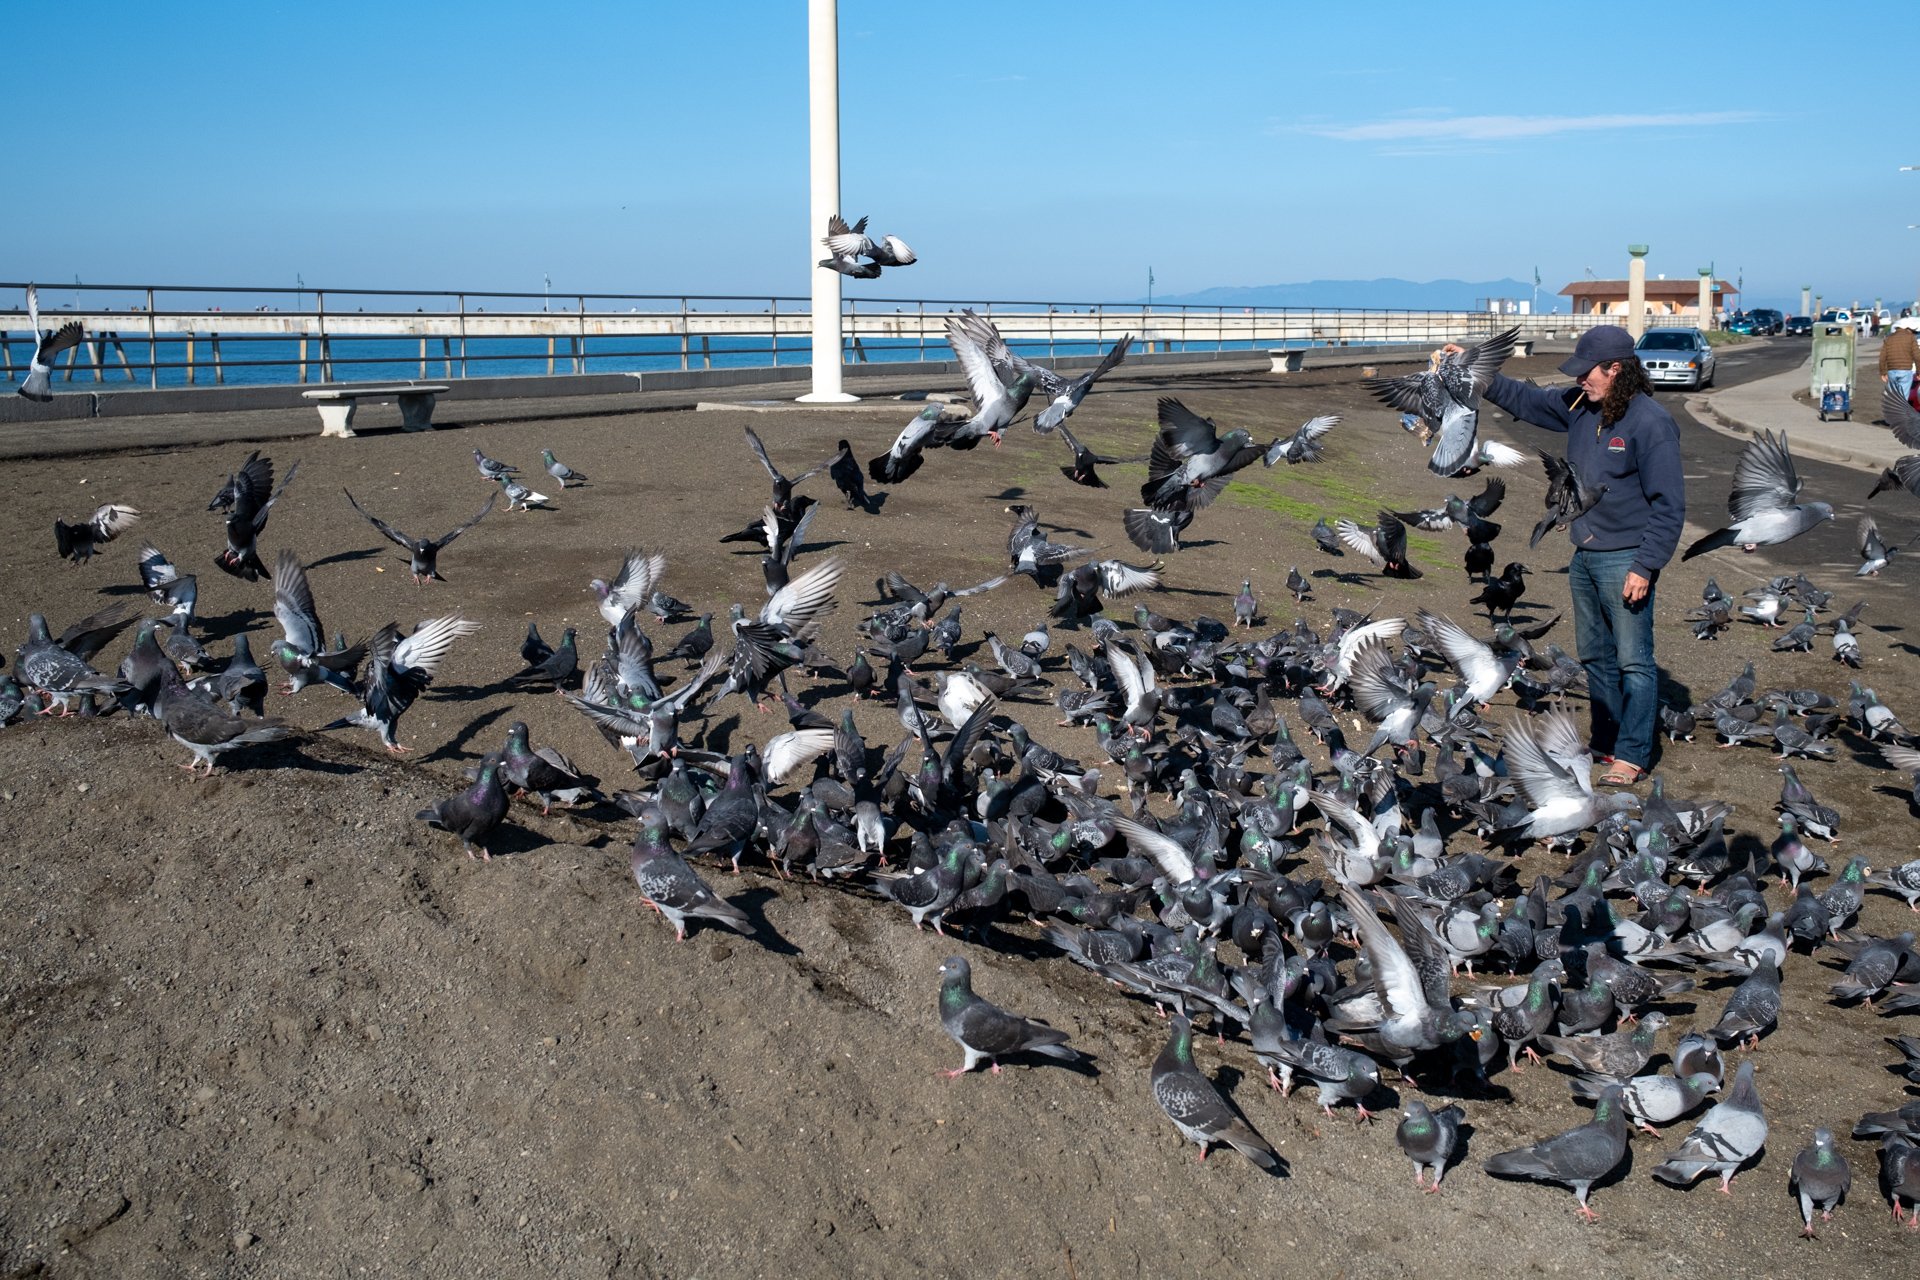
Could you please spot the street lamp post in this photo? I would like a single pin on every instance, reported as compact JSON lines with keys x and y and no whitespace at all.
{"x":823,"y":149}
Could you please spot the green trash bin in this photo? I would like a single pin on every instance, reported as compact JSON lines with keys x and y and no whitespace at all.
{"x":1833,"y":356}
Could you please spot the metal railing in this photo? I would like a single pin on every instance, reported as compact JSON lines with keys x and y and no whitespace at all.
{"x":186,"y":335}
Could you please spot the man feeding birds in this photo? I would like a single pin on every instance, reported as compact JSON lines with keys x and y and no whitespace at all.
{"x":1621,"y":443}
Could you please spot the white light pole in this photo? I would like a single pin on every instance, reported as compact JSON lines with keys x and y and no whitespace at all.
{"x":823,"y":158}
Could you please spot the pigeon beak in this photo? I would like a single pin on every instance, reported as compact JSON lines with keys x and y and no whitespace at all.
{"x":1474,"y":1034}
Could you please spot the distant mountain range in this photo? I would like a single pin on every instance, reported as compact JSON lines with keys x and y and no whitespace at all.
{"x":1410,"y":295}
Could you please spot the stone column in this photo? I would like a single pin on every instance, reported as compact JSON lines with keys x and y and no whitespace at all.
{"x":1637,"y":290}
{"x":1706,"y":298}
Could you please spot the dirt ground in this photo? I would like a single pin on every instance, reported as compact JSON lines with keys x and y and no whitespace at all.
{"x":268,"y":1024}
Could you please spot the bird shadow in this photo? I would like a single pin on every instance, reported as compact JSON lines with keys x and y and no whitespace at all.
{"x":343,"y":557}
{"x":510,"y":841}
{"x":1227,"y":1082}
{"x":229,"y":625}
{"x":753,"y":903}
{"x":123,"y":589}
{"x":473,"y":692}
{"x":290,"y":755}
{"x":718,"y":736}
{"x":454,"y":747}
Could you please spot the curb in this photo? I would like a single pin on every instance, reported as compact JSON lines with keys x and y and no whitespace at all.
{"x":1703,"y":409}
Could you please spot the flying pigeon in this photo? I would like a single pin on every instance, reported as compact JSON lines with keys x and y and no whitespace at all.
{"x":1303,"y":445}
{"x":995,"y":404}
{"x":399,"y":670}
{"x":1063,"y":394}
{"x":79,"y":541}
{"x":1567,"y":498}
{"x":1762,"y":505}
{"x":38,"y":384}
{"x":423,"y":553}
{"x":846,"y":245}
{"x":1874,"y":553}
{"x":1447,"y":398}
{"x":908,"y":449}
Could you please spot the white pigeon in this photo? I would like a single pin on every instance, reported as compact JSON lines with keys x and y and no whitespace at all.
{"x":38,"y":385}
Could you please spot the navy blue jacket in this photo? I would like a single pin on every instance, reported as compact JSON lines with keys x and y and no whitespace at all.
{"x":1637,"y":458}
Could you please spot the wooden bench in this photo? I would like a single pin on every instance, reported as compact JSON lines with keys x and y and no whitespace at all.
{"x":336,"y":405}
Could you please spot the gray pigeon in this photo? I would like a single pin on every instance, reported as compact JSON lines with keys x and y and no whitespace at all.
{"x":1428,"y":1138}
{"x":1617,"y":1057}
{"x":1726,"y":1137}
{"x":1753,"y":1007}
{"x":560,"y":471}
{"x":1578,"y":1158}
{"x":1655,"y":1099}
{"x":80,"y":540}
{"x":1196,"y":1110}
{"x":984,"y":1030}
{"x":1820,"y":1177}
{"x":38,"y":384}
{"x":1447,"y":398}
{"x":474,"y":813}
{"x":675,"y":889}
{"x":1762,"y":505}
{"x":1900,"y":1172}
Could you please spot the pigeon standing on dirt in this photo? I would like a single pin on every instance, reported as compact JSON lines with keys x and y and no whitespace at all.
{"x":38,"y":384}
{"x":675,"y":889}
{"x":1820,"y":1177}
{"x":984,"y":1031}
{"x":1428,"y":1138}
{"x":491,"y":469}
{"x":1728,"y":1136}
{"x":472,"y":814}
{"x":1197,"y":1111}
{"x":1579,"y":1157}
{"x":560,"y":471}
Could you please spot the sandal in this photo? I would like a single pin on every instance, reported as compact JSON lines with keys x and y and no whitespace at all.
{"x":1622,"y":774}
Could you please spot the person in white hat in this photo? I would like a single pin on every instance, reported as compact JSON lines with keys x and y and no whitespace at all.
{"x":1899,"y":354}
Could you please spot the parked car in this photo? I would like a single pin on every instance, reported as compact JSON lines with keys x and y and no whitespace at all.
{"x":1799,"y":327}
{"x":1767,"y":321}
{"x":1745,"y":325}
{"x":1676,"y":357}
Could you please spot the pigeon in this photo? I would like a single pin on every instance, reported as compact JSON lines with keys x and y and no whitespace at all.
{"x":38,"y":384}
{"x":472,"y":814}
{"x":518,"y":495}
{"x":399,"y":670}
{"x":1904,"y":1122}
{"x":492,"y":470}
{"x":1874,"y":553}
{"x":640,"y":571}
{"x":560,"y":471}
{"x":672,"y":887}
{"x":1846,"y":646}
{"x":1190,"y":463}
{"x":1156,"y":529}
{"x":1428,"y":1138}
{"x":1579,"y":1157}
{"x":1821,"y":1178}
{"x":1085,"y":460}
{"x":1303,"y":445}
{"x":1063,"y":395}
{"x":996,"y":404}
{"x":301,"y":650}
{"x":542,"y":772}
{"x":846,"y":245}
{"x":907,"y":453}
{"x":1446,"y":396}
{"x":1197,"y":1111}
{"x":206,"y":730}
{"x":1502,"y":593}
{"x":423,"y":553}
{"x":58,"y":670}
{"x":1246,"y":607}
{"x":1762,"y":505}
{"x":1617,"y":1057}
{"x":1567,"y":498}
{"x":1728,"y":1136}
{"x":1325,"y":539}
{"x":1653,"y":1100}
{"x":844,"y":470}
{"x":984,"y":1031}
{"x":1753,"y":1007}
{"x":253,"y":496}
{"x":1385,"y":545}
{"x":79,"y":541}
{"x":1900,"y":1173}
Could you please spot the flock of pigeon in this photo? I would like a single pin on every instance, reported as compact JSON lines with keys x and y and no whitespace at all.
{"x":1259,"y":899}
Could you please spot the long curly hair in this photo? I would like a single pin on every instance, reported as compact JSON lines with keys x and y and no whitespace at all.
{"x":1628,"y":383}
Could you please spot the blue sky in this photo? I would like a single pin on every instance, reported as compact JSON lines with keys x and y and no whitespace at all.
{"x":1026,"y":149}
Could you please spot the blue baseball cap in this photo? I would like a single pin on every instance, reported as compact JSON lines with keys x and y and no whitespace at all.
{"x":1597,"y":346}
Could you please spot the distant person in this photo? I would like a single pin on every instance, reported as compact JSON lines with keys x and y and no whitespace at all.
{"x":1898,"y":356}
{"x":1873,"y":323}
{"x":1620,"y":437}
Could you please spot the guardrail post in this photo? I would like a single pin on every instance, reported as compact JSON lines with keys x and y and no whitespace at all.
{"x":219,"y":371}
{"x":326,"y":348}
{"x":463,"y":335}
{"x":685,"y":333}
{"x":303,"y":357}
{"x":580,"y":362}
{"x":153,"y":346}
{"x":192,"y":376}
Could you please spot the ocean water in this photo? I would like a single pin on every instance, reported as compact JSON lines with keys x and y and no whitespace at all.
{"x":249,"y":361}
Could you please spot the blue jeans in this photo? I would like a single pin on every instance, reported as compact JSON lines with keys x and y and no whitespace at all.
{"x":1901,"y":380}
{"x":1616,"y":648}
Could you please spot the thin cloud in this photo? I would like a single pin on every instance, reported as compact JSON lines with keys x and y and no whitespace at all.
{"x":1444,"y":129}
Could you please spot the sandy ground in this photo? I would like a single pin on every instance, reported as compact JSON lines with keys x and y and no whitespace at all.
{"x":267,"y":1024}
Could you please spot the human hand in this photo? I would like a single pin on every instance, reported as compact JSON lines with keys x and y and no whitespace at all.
{"x":1635,"y":589}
